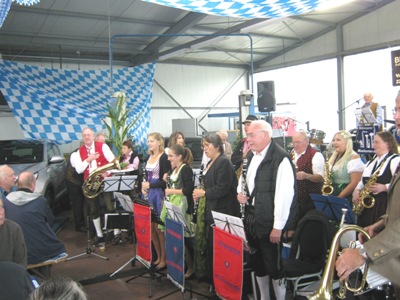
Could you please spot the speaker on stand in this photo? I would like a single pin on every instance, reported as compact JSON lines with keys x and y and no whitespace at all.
{"x":266,"y":96}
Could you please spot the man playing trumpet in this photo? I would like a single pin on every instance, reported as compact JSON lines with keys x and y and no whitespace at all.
{"x":383,"y":249}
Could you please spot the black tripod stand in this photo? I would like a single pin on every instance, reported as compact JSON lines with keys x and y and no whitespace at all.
{"x":89,"y":250}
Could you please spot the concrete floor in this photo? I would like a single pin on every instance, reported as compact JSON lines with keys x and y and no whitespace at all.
{"x":93,"y":272}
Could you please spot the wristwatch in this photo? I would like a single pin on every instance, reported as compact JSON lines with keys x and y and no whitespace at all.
{"x":362,"y":252}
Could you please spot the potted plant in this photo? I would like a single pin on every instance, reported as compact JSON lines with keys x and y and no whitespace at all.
{"x":117,"y":126}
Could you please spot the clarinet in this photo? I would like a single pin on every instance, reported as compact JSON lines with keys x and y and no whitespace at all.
{"x":243,"y":187}
{"x":145,"y":196}
{"x":199,"y":186}
{"x":169,"y":185}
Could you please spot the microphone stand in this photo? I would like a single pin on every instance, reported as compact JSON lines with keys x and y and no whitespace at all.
{"x":357,"y":101}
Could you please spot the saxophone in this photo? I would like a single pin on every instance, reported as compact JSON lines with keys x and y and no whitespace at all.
{"x":243,"y":187}
{"x":293,"y":157}
{"x":366,"y":199}
{"x":94,"y":184}
{"x":327,"y":188}
{"x":200,"y":185}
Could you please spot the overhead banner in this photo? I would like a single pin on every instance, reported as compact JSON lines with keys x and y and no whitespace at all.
{"x":174,"y":245}
{"x":142,"y":220}
{"x":396,"y":67}
{"x":57,"y":104}
{"x":245,"y":8}
{"x":228,"y":265}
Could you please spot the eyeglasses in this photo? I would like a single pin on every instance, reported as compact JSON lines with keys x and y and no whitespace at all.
{"x":253,"y":134}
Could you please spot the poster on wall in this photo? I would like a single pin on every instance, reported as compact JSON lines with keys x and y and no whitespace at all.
{"x":396,"y":67}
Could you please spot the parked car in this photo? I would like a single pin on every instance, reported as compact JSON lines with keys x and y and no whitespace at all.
{"x":44,"y":159}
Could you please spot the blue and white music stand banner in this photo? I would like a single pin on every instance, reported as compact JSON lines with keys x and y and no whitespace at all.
{"x":175,"y":252}
{"x":365,"y":138}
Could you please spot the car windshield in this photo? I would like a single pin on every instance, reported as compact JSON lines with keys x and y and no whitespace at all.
{"x":17,"y":152}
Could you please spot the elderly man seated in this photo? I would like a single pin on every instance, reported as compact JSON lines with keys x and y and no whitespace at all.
{"x":31,"y":211}
{"x":12,"y":240}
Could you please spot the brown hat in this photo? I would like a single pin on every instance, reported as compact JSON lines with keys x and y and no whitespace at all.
{"x":249,"y":119}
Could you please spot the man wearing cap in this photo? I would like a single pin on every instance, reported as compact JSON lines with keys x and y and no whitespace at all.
{"x":242,"y":147}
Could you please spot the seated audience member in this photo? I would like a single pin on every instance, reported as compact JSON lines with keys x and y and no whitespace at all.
{"x":15,"y":282}
{"x":12,"y":240}
{"x":59,"y":288}
{"x":31,"y":211}
{"x":7,"y":181}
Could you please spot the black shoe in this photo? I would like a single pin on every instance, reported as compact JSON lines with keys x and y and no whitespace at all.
{"x":97,"y":240}
{"x":117,"y":239}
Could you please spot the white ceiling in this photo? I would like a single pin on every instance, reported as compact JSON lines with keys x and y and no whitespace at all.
{"x":81,"y":30}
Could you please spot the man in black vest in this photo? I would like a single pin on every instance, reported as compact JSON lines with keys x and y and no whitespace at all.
{"x":271,"y":185}
{"x":309,"y":165}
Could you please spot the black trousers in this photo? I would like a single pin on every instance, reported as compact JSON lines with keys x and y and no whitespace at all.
{"x":77,"y":202}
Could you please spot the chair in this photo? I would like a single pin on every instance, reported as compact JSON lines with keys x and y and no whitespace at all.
{"x":311,"y":241}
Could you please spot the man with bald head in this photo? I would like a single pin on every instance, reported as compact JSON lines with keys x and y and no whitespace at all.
{"x":375,"y":108}
{"x":7,"y":181}
{"x":309,"y":165}
{"x":31,"y":211}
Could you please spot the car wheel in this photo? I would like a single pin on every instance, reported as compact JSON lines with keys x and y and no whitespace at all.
{"x":51,"y":199}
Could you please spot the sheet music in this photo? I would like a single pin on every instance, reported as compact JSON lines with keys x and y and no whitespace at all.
{"x":177,"y":213}
{"x":125,"y":201}
{"x":233,"y":225}
{"x":121,"y":172}
{"x":368,"y":116}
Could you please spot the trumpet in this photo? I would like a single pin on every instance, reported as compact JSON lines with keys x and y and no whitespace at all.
{"x":327,"y":188}
{"x":325,"y":290}
{"x":243,"y":187}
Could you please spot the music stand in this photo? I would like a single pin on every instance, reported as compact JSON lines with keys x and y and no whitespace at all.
{"x":176,"y":214}
{"x":332,"y":207}
{"x":89,"y":250}
{"x":233,"y":225}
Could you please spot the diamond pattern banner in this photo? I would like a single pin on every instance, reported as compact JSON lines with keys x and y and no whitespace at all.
{"x":244,"y":8}
{"x":57,"y":104}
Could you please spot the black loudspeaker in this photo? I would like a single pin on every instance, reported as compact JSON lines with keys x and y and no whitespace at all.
{"x":266,"y":96}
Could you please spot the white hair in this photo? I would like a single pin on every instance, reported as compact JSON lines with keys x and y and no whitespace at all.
{"x":264,"y":126}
